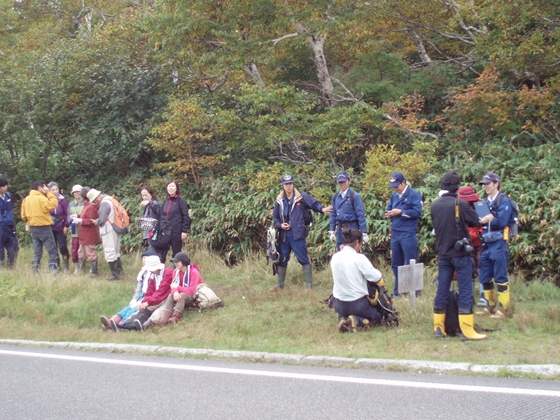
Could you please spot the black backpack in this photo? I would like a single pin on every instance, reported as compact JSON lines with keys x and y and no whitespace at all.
{"x":307,"y":215}
{"x":380,"y":299}
{"x":452,"y":327}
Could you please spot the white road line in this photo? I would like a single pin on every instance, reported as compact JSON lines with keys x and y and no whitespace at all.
{"x":302,"y":376}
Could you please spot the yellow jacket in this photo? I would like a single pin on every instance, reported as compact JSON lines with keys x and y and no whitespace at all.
{"x":36,"y":208}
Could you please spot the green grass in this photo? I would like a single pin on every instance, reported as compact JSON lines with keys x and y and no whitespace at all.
{"x":67,"y":308}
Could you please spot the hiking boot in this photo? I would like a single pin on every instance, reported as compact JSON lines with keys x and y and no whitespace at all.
{"x":276,"y":288}
{"x":354,"y":323}
{"x":175,"y":317}
{"x":343,"y":325}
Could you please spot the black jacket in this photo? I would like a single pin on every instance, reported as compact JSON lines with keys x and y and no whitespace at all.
{"x":177,"y":210}
{"x":443,"y":220}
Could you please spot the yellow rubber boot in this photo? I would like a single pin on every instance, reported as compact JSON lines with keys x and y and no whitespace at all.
{"x":492,"y":299}
{"x":503,"y":300}
{"x":439,"y":326}
{"x":466,"y":322}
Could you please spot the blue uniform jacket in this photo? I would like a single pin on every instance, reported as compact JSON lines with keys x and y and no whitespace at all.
{"x":411,"y":205}
{"x":502,"y":213}
{"x":343,"y":211}
{"x":6,"y":210}
{"x":296,"y":215}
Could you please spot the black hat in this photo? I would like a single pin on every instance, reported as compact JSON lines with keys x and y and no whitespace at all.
{"x":181,"y":257}
{"x":450,"y":181}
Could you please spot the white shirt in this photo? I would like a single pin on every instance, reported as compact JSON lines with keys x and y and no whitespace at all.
{"x":351,"y":271}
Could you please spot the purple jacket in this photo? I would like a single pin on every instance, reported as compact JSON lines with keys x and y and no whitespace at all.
{"x":60,"y":214}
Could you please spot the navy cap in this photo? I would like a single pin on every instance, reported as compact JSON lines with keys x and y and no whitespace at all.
{"x":342,"y":177}
{"x":489,"y":177}
{"x":148,"y":253}
{"x":287,"y":179}
{"x":396,"y":179}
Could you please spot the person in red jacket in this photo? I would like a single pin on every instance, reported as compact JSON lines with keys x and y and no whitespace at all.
{"x":186,"y":277}
{"x":158,"y":289}
{"x":469,"y":195}
{"x":88,"y":235}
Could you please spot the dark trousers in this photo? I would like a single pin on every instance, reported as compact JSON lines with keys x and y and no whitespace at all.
{"x":61,"y":242}
{"x":404,"y":247}
{"x":176,"y":246}
{"x":43,"y":236}
{"x":359,"y":307}
{"x":463,"y":266}
{"x":8,"y":241}
{"x":494,"y":263}
{"x":290,"y":244}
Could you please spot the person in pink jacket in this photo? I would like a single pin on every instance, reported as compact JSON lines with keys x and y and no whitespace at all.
{"x":186,"y":277}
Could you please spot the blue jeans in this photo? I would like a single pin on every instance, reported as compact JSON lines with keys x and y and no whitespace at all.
{"x":359,"y":307}
{"x":404,"y":247}
{"x":290,"y":244}
{"x":446,"y":267}
{"x":494,"y":263}
{"x":43,"y":235}
{"x":8,"y":241}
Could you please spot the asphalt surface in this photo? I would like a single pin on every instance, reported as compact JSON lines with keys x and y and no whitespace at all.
{"x":43,"y":382}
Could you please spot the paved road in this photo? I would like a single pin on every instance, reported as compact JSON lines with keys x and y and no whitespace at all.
{"x":58,"y":384}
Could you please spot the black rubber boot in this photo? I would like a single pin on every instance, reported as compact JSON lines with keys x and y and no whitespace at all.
{"x":114,"y":271}
{"x":120,"y":269}
{"x":94,"y":268}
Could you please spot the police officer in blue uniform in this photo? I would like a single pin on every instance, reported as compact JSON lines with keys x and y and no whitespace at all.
{"x":494,"y":259}
{"x":348,"y":211}
{"x":404,"y":210}
{"x":8,"y":239}
{"x":289,"y":220}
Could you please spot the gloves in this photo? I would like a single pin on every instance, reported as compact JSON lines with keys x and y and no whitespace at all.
{"x":365,"y":238}
{"x":332,"y":236}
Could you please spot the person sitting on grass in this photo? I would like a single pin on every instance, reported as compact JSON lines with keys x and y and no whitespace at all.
{"x":159,"y":284}
{"x":186,"y":277}
{"x":141,"y":288}
{"x":351,"y":271}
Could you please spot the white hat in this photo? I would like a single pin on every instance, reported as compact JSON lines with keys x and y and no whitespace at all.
{"x":76,"y":188}
{"x":153,"y":263}
{"x":92,"y":194}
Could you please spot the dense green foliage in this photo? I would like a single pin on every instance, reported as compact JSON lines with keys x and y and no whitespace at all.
{"x":226,"y":96}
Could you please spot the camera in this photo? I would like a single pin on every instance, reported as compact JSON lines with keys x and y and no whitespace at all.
{"x":464,"y":245}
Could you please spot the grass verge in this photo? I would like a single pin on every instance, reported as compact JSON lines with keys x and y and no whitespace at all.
{"x":67,"y":308}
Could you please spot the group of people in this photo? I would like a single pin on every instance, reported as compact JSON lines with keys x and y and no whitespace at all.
{"x":161,"y":294}
{"x":465,"y":244}
{"x":90,"y":218}
{"x":164,"y":293}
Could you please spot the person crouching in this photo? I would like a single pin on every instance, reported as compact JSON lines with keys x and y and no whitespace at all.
{"x":351,"y":271}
